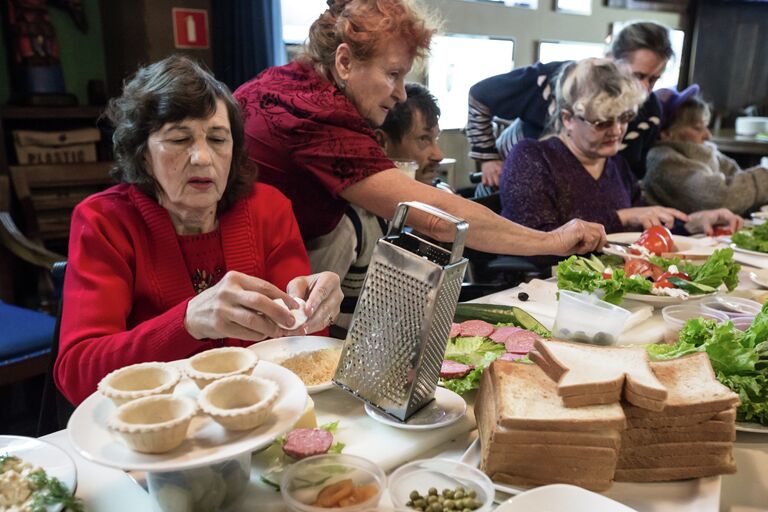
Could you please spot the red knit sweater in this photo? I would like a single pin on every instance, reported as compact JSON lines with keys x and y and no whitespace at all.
{"x":127,"y":286}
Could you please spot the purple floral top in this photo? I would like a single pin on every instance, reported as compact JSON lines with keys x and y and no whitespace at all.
{"x":543,"y":186}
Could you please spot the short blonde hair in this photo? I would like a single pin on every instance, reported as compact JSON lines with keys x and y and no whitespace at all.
{"x":595,"y":89}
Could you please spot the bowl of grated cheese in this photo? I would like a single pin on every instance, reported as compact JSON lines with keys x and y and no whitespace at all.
{"x":312,"y":358}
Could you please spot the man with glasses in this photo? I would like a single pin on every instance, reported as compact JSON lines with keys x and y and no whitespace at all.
{"x":525,"y":94}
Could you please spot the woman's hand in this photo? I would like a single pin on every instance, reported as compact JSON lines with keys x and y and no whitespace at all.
{"x":239,"y":306}
{"x":322,"y":293}
{"x":647,"y":216}
{"x":491,"y":172}
{"x":578,"y":237}
{"x":705,"y":220}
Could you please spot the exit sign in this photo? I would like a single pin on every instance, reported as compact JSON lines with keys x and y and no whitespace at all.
{"x":190,"y":28}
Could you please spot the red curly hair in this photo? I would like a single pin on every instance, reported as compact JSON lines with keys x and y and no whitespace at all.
{"x":367,"y":26}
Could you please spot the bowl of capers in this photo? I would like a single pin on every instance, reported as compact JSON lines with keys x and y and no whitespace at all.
{"x":440,"y":485}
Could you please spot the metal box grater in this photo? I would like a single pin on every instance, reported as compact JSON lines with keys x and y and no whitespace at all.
{"x":394,"y":349}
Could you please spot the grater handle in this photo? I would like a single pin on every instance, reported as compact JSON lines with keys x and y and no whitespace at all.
{"x":457,"y":248}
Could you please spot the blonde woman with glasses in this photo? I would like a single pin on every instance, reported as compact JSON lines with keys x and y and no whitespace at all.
{"x":576,"y":172}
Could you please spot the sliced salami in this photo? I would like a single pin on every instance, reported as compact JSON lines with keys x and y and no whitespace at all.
{"x":509,"y":356}
{"x":454,"y":370}
{"x":476,"y":328}
{"x":520,"y":342}
{"x":455,"y":330}
{"x":501,"y":334}
{"x":305,"y":442}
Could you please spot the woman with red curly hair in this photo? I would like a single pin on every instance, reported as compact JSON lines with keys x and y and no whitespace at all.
{"x":309,"y":127}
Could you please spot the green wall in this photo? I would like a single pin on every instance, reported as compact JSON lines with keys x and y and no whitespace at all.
{"x":82,"y":55}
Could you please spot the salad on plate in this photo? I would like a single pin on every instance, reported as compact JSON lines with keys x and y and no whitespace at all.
{"x":613,"y":277}
{"x":739,"y":358}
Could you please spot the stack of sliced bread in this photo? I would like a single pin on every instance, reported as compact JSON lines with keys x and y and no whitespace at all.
{"x":692,"y":437}
{"x":534,"y":429}
{"x":591,"y":374}
{"x":528,"y":438}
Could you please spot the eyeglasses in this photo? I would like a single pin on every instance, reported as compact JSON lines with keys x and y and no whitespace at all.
{"x":602,"y":125}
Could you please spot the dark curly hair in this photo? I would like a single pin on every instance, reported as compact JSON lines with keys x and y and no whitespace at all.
{"x":400,"y":117}
{"x":168,"y":91}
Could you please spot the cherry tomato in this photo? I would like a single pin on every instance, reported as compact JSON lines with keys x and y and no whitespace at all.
{"x":655,"y":243}
{"x":607,"y":275}
{"x":722,"y":231}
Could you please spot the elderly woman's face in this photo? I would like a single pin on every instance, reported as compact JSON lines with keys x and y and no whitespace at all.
{"x":190,"y":160}
{"x":375,"y":86}
{"x":596,"y":138}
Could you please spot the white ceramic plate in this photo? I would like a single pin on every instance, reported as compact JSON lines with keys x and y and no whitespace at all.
{"x":685,"y":245}
{"x":659,"y":301}
{"x":207,"y":442}
{"x":447,"y":408}
{"x":52,"y":459}
{"x":736,"y":248}
{"x":756,"y":428}
{"x":561,"y":497}
{"x":760,"y":277}
{"x":280,"y":349}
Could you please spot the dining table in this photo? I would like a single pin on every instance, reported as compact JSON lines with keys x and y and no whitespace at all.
{"x":112,"y":490}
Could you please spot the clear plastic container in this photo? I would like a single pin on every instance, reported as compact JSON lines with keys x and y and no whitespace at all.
{"x":421,"y":475}
{"x":584,"y":317}
{"x":304,"y":480}
{"x":676,"y":316}
{"x":216,"y":487}
{"x":732,"y":307}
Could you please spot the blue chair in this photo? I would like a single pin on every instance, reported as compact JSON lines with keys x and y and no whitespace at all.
{"x":26,"y":335}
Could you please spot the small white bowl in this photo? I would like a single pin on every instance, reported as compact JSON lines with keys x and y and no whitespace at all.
{"x":239,"y":402}
{"x":217,"y":363}
{"x":153,"y":424}
{"x":139,"y":380}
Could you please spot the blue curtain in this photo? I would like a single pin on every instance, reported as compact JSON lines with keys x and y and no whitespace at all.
{"x":247,"y":38}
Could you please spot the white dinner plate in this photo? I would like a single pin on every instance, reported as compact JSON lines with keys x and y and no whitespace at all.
{"x":685,"y":245}
{"x":447,"y":408}
{"x":207,"y":442}
{"x":659,"y":301}
{"x":756,"y":428}
{"x":52,"y":459}
{"x":736,"y":248}
{"x":561,"y":497}
{"x":279,"y":349}
{"x":760,"y":277}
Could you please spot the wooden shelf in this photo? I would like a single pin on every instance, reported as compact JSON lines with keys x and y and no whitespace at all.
{"x":17,"y":112}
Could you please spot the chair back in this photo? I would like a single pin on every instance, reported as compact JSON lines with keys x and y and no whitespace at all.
{"x":47,"y":195}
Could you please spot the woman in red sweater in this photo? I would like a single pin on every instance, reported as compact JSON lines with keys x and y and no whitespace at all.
{"x":186,"y":253}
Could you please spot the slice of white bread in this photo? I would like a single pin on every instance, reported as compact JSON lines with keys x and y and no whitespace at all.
{"x":595,"y":370}
{"x":708,"y":431}
{"x":661,"y":421}
{"x":549,"y":470}
{"x":503,"y":437}
{"x":522,"y":481}
{"x":677,"y":449}
{"x":674,"y":473}
{"x":642,"y":402}
{"x":672,"y":461}
{"x":526,"y":399}
{"x":692,"y":388}
{"x":555,"y":451}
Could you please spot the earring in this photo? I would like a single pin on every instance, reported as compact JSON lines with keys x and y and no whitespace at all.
{"x":342,"y":84}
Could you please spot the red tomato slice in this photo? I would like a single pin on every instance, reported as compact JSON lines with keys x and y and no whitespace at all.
{"x":655,"y":243}
{"x":662,"y":231}
{"x":722,"y":231}
{"x":663,"y":283}
{"x":681,"y":275}
{"x":637,"y":266}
